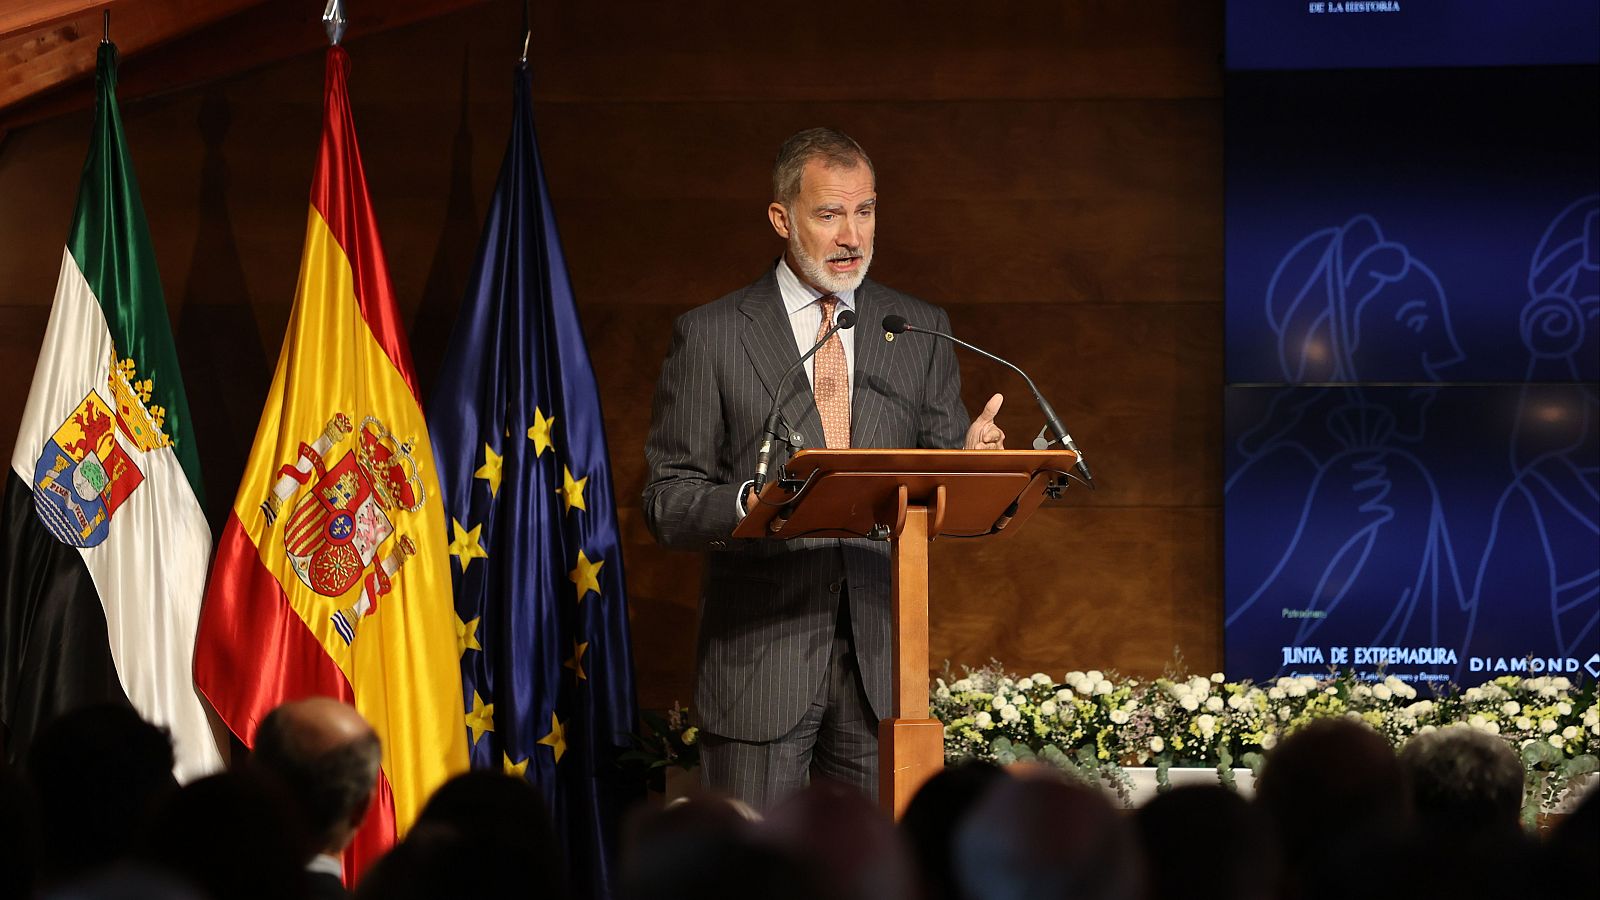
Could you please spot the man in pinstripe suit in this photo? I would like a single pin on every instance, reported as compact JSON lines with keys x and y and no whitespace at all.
{"x":793,"y":653}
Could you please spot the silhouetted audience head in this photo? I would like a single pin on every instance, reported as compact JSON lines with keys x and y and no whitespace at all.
{"x":327,"y":758}
{"x":97,"y":774}
{"x":930,"y":821}
{"x":1338,"y":798}
{"x":1177,"y":830}
{"x":705,"y":848}
{"x":231,"y":835}
{"x":440,"y":860}
{"x":1034,"y":836}
{"x":846,"y":839}
{"x":505,"y":817}
{"x":1465,"y":784}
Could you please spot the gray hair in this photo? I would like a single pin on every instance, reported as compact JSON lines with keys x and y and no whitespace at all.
{"x":1464,"y":777}
{"x":834,"y":148}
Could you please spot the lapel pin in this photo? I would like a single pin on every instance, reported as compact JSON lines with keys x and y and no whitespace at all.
{"x":888,"y":337}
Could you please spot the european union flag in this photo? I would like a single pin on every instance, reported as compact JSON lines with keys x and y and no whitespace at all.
{"x":547,"y":677}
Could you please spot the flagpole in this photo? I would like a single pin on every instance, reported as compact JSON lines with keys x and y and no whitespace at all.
{"x":527,"y":29}
{"x":333,"y":19}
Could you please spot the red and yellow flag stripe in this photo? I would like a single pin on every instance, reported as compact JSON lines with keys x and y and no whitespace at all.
{"x":278,"y":626}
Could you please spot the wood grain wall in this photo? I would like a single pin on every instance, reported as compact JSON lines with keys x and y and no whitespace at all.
{"x":1049,"y":172}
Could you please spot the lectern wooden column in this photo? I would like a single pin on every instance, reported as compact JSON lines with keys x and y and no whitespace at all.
{"x":908,"y":498}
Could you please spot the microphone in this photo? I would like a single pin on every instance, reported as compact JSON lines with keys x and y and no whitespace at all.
{"x":898,"y":325}
{"x":842,"y":322}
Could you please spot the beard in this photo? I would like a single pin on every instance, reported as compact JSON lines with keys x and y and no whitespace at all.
{"x":814,"y":271}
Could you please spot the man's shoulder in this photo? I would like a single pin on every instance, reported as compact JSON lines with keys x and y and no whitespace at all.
{"x":730,"y":304}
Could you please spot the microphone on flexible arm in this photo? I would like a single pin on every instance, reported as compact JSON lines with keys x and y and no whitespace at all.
{"x":898,"y":325}
{"x":842,"y":322}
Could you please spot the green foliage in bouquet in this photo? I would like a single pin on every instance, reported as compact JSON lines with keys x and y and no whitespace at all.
{"x":1092,"y":724}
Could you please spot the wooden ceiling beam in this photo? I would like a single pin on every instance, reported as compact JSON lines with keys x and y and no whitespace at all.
{"x":254,"y":33}
{"x":61,"y":49}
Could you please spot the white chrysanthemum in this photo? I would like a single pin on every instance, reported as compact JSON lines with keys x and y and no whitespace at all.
{"x":1104,"y":687}
{"x":1157,"y":745}
{"x":1524,"y":723}
{"x":1200,"y":685}
{"x":1047,"y":708}
{"x":1237,"y":701}
{"x":1025,"y":684}
{"x":1064,"y":695}
{"x":1008,"y":713}
{"x":1473,"y":694}
{"x":1569,"y":732}
{"x":1295,"y":690}
{"x":962,"y":685}
{"x":1556,"y":741}
{"x":1207,"y":723}
{"x":998,"y":701}
{"x":1361,"y":692}
{"x":1040,"y":679}
{"x":1159,"y":712}
{"x":1275,"y":693}
{"x":1382,"y":692}
{"x":1547,"y":725}
{"x":1084,"y":687}
{"x":1285,"y":681}
{"x":1072,"y":676}
{"x":1560,"y":683}
{"x":983,"y":720}
{"x":1268,"y":741}
{"x":1511,"y":707}
{"x":1218,"y":678}
{"x":1426,"y":729}
{"x":1564,"y":708}
{"x":1118,"y":717}
{"x":943,"y":693}
{"x":1214,"y":704}
{"x":1006,"y":683}
{"x":1477,"y":721}
{"x":1189,"y":703}
{"x":1094,"y":675}
{"x":1331,"y":691}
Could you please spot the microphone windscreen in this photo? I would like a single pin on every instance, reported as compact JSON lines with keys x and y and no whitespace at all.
{"x":846,"y":319}
{"x":895,"y":324}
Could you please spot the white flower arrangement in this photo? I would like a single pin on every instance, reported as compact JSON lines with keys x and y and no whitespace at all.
{"x":1094,"y":723}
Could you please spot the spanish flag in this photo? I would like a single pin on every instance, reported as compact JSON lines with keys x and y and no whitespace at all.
{"x":332,"y":576}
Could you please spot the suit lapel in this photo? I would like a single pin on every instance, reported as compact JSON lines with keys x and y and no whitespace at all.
{"x":769,"y":342}
{"x":871,"y":365}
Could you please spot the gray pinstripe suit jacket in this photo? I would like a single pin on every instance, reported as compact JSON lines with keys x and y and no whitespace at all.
{"x":768,"y":608}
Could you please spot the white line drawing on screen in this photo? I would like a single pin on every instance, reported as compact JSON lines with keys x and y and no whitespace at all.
{"x":1545,"y":536}
{"x":1369,"y":525}
{"x":1348,"y":305}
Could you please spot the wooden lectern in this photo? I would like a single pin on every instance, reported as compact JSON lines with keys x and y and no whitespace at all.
{"x":908,"y":498}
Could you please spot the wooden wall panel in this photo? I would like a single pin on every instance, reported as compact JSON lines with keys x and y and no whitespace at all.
{"x":1051,"y":173}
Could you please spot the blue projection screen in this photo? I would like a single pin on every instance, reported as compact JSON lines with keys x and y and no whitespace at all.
{"x":1441,"y":533}
{"x":1413,"y":354}
{"x":1340,"y":34}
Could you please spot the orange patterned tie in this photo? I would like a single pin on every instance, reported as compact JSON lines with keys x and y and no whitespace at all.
{"x":830,"y":382}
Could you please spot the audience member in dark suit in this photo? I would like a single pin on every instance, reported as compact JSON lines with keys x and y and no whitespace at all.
{"x":98,"y":774}
{"x":793,"y":654}
{"x":326,"y":756}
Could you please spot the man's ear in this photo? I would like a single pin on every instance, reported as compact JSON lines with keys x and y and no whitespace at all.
{"x":779,"y":217}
